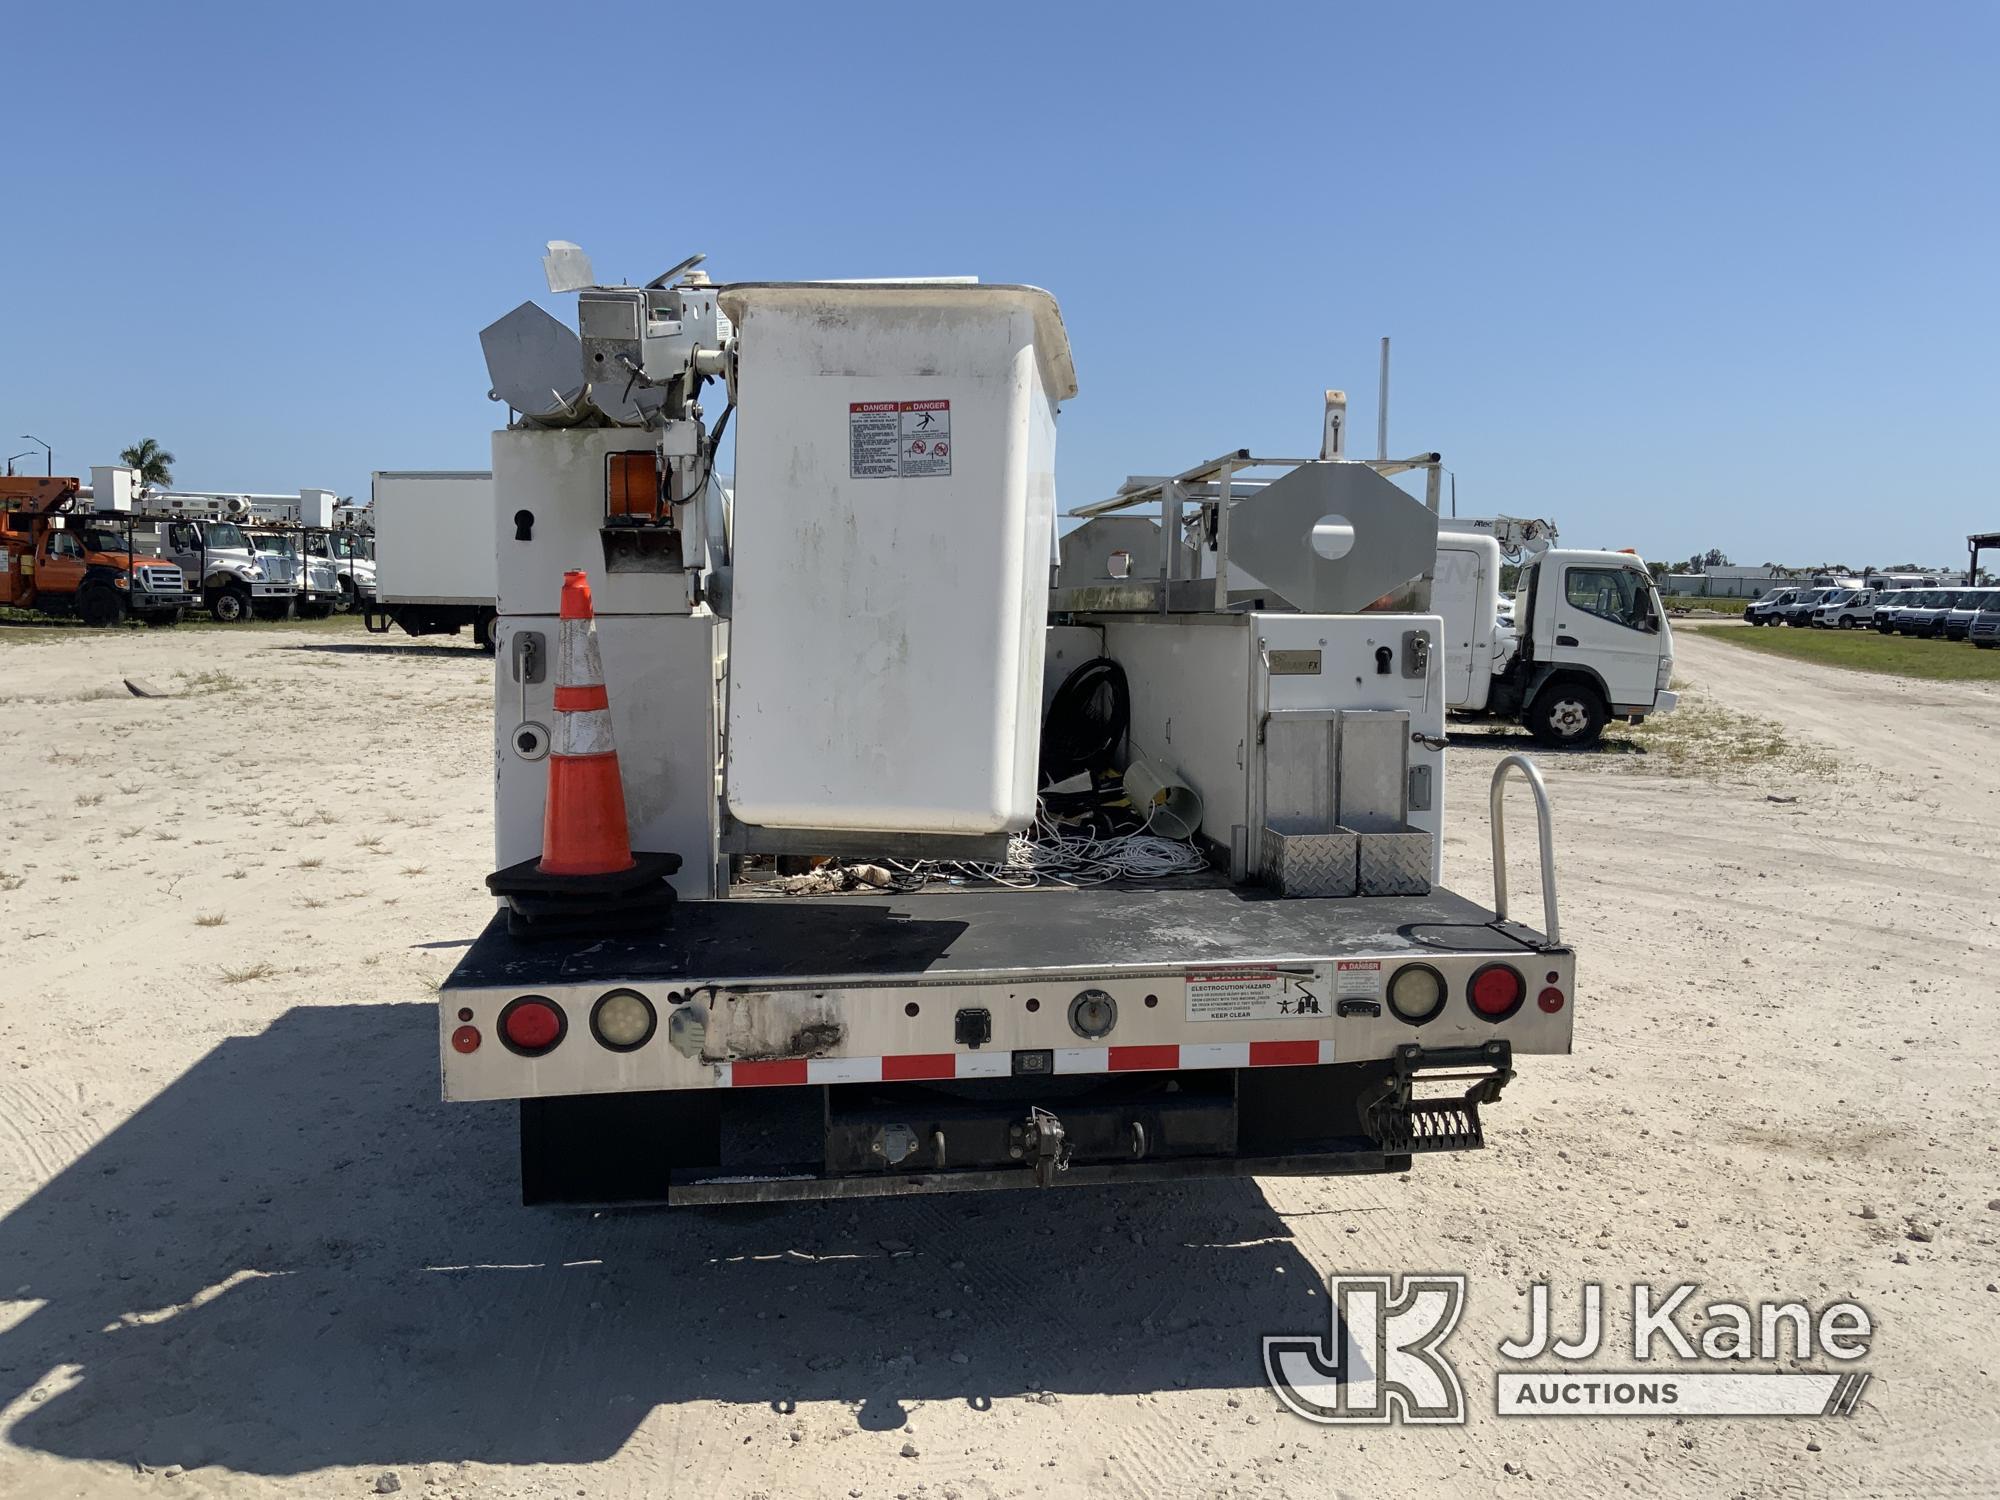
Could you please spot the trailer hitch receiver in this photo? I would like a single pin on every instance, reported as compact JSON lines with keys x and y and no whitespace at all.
{"x":1040,"y":1139}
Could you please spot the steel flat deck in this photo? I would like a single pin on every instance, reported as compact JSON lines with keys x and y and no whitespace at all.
{"x":964,"y":933}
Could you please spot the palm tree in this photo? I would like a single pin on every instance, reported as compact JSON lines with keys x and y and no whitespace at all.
{"x":154,"y":463}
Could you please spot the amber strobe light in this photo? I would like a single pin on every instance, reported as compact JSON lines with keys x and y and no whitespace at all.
{"x":632,"y":486}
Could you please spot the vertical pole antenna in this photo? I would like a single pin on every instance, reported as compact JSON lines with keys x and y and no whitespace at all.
{"x":1382,"y":406}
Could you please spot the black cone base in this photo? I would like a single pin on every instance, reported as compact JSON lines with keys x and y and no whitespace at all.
{"x":540,"y":905}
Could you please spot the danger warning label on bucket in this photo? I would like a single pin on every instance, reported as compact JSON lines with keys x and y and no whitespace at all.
{"x":898,"y":439}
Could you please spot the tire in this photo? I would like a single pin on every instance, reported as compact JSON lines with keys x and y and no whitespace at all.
{"x":160,"y":618}
{"x":482,"y":633}
{"x":231,"y":606}
{"x":1568,"y":716}
{"x":99,"y":606}
{"x":345,"y":604}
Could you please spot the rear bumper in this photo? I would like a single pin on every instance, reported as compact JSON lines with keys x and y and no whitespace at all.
{"x":826,"y":1047}
{"x":849,"y":1142}
{"x":765,"y":995}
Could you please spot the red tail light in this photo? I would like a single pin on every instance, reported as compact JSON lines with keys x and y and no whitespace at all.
{"x":1497,"y":991}
{"x":532,"y":1025}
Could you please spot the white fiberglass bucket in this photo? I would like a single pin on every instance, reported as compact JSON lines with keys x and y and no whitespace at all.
{"x":895,"y":499}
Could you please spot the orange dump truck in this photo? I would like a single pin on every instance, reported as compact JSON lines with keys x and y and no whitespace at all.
{"x":60,"y":561}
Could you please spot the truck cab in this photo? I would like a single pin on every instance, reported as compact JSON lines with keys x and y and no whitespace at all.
{"x":1595,"y":645}
{"x":331,"y":561}
{"x":285,"y":558}
{"x":60,"y":561}
{"x":1589,"y":643}
{"x":95,"y":572}
{"x":233,"y":582}
{"x":354,"y":556}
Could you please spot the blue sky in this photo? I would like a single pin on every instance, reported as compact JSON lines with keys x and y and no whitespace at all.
{"x":1677,"y":276}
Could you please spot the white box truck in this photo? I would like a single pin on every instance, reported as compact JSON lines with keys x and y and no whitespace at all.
{"x":434,"y":553}
{"x":1588,"y":641}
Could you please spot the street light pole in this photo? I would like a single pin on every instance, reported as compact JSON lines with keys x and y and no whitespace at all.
{"x":10,"y":462}
{"x":50,"y":471}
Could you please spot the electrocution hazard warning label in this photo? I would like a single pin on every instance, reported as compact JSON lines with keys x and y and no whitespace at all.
{"x":1250,"y":995}
{"x":898,"y":439}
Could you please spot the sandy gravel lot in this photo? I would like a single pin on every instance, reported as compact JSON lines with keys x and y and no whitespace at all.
{"x":244,"y":1250}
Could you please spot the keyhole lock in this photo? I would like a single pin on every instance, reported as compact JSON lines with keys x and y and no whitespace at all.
{"x":524,"y":526}
{"x":1383,"y":656}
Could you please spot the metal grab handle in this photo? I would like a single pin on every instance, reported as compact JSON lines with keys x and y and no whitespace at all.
{"x":1545,"y":841}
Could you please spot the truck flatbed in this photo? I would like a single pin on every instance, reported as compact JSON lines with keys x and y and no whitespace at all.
{"x":962,"y":934}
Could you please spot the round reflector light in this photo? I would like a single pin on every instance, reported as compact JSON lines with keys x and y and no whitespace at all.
{"x":1416,"y":993}
{"x":1550,"y":999}
{"x":465,"y":1039}
{"x":623,"y":1020}
{"x":532,"y":1025}
{"x":1497,"y":991}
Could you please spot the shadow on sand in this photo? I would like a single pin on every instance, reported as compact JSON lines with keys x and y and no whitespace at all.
{"x":385,"y":648}
{"x":1510,"y":739}
{"x":295,"y":1256}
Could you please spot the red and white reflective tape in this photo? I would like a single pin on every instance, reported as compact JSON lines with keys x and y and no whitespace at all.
{"x":577,"y":662}
{"x":583,"y":712}
{"x":580,"y":734}
{"x":1000,"y":1064}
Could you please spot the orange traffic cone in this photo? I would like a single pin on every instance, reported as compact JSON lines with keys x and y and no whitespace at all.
{"x":589,"y":879}
{"x":583,"y":826}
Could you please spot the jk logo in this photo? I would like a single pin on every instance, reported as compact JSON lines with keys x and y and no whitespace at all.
{"x":1379,"y":1362}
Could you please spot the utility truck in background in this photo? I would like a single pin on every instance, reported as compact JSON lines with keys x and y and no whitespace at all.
{"x":61,"y":559}
{"x":433,"y":534}
{"x":1249,"y":965}
{"x":205,"y":536}
{"x":351,"y":545}
{"x":1588,"y":641}
{"x":281,"y":553}
{"x":292,"y":537}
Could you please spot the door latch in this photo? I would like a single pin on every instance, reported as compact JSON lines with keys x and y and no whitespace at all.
{"x":1416,"y":653}
{"x":529,"y":659}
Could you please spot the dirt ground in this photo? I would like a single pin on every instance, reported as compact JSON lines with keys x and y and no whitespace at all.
{"x":245,"y":1251}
